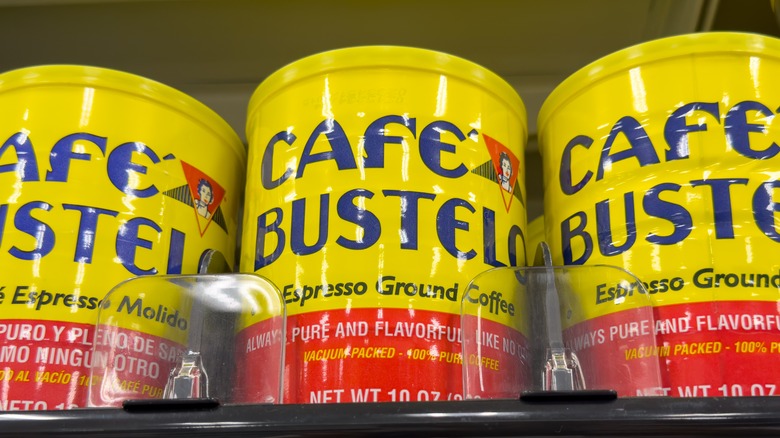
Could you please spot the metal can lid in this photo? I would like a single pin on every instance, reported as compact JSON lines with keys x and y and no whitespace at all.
{"x":99,"y":77}
{"x":704,"y":43}
{"x":385,"y":56}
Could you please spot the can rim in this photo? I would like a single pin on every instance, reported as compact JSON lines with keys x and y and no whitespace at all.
{"x":384,"y":56}
{"x":100,"y":77}
{"x":651,"y":51}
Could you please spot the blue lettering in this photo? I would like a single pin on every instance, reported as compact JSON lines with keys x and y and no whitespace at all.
{"x":641,"y":147}
{"x":564,"y":173}
{"x":62,"y":153}
{"x":175,"y":252}
{"x":340,"y":151}
{"x":297,"y":244}
{"x":361,"y":217}
{"x":721,"y":204}
{"x":3,"y":216}
{"x":43,"y":234}
{"x":87,"y":230}
{"x":264,"y":228}
{"x":409,"y":214}
{"x":446,"y":224}
{"x":676,"y":214}
{"x":489,"y":238}
{"x":738,"y":130}
{"x":128,"y":241}
{"x":375,"y":138}
{"x":676,"y":129}
{"x":568,"y":234}
{"x":26,"y":165}
{"x":268,"y":161}
{"x":764,"y":209}
{"x":515,"y":233}
{"x":431,"y":148}
{"x":604,"y":227}
{"x":120,"y":166}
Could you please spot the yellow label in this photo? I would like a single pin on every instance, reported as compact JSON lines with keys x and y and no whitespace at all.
{"x":669,"y":170}
{"x":382,"y":187}
{"x":164,"y":311}
{"x":501,"y":295}
{"x":97,"y":186}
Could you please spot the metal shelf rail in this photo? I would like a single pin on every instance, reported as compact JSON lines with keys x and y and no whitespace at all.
{"x":647,"y":416}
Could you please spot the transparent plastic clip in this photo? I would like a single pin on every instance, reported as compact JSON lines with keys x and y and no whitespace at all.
{"x":551,"y":329}
{"x":189,"y":337}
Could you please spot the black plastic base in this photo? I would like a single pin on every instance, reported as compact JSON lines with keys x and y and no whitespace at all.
{"x":166,"y":405}
{"x":585,"y":396}
{"x":640,"y":416}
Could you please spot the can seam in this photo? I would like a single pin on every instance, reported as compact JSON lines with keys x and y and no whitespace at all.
{"x":324,"y":63}
{"x":669,"y":48}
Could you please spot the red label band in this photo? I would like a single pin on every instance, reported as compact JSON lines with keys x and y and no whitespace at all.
{"x":130,"y":365}
{"x":712,"y":349}
{"x":258,"y":363}
{"x":46,"y":364}
{"x":374,"y":355}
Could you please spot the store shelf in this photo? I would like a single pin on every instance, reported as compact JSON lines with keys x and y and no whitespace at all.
{"x":650,"y":416}
{"x":219,"y":51}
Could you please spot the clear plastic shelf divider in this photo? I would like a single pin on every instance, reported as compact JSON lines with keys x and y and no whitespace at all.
{"x":189,"y":336}
{"x":526,"y":329}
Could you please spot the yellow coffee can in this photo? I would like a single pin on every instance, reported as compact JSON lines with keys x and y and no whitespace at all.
{"x":662,"y":159}
{"x":381,"y":180}
{"x":104,"y":175}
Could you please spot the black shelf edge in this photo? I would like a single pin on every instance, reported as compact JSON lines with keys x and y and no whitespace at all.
{"x":649,"y":416}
